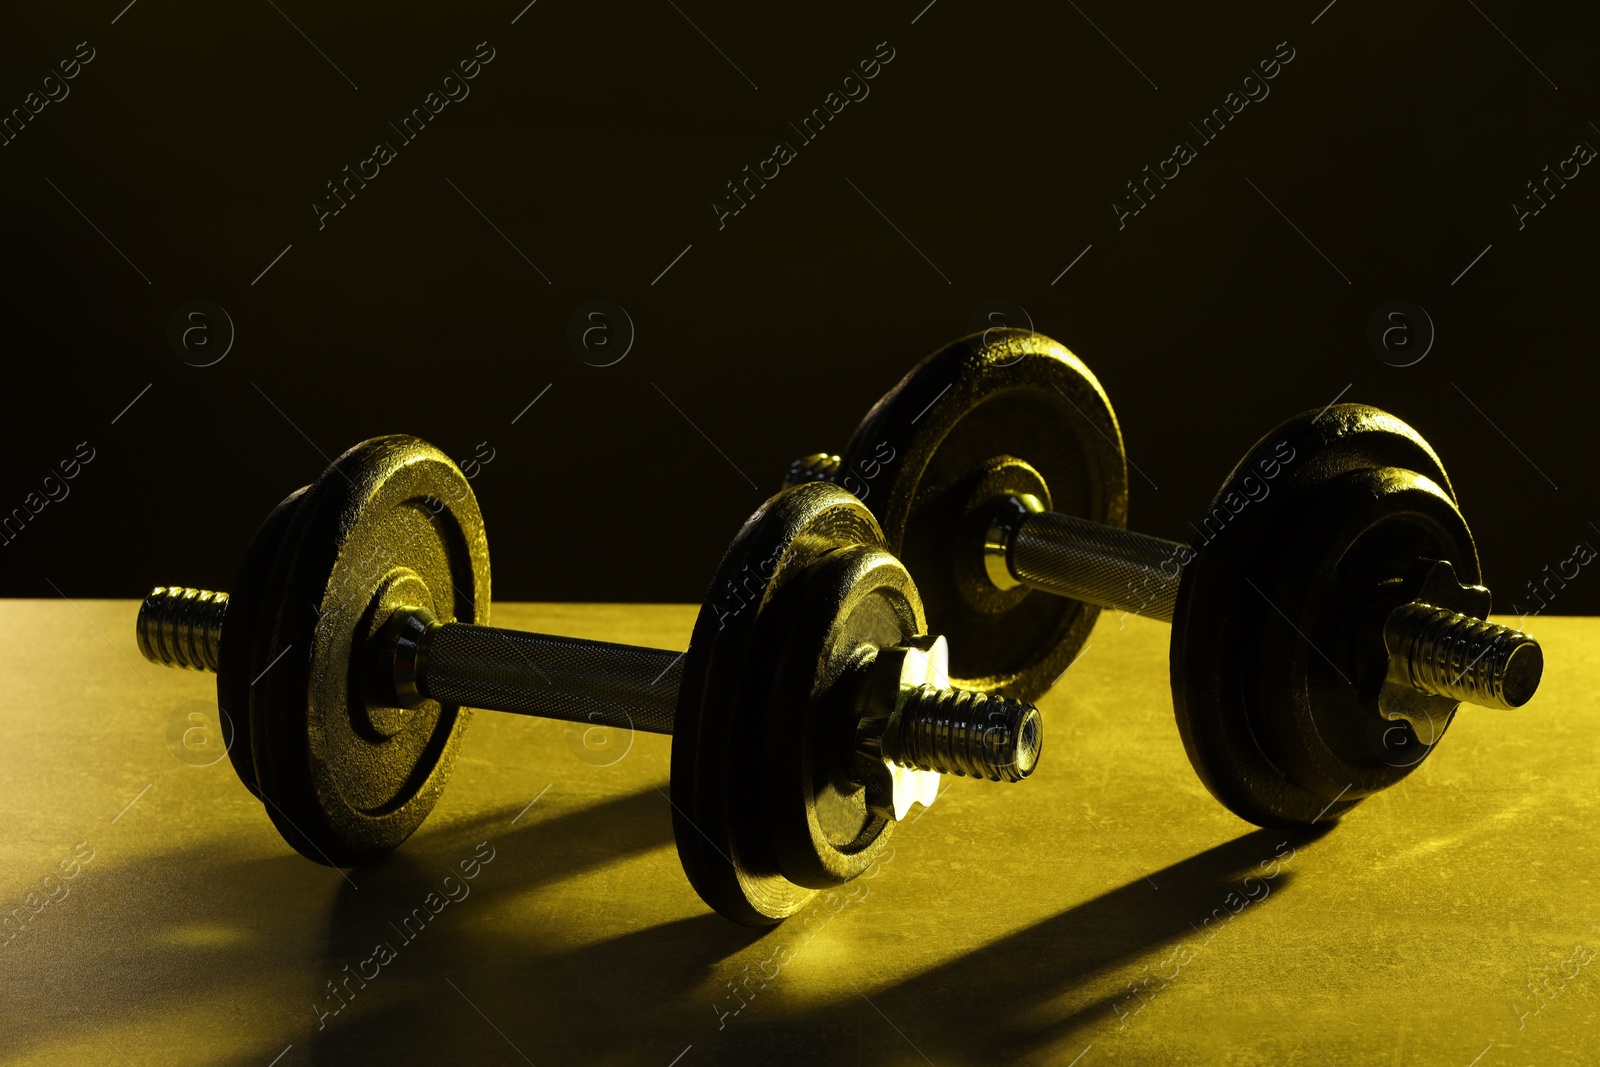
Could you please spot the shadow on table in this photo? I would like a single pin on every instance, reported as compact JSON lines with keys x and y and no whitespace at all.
{"x":135,"y":943}
{"x":1025,"y":993}
{"x":505,"y":966}
{"x":528,"y":992}
{"x":451,"y":987}
{"x":1016,"y":978}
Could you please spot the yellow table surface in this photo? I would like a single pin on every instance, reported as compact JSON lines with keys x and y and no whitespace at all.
{"x":1451,"y":920}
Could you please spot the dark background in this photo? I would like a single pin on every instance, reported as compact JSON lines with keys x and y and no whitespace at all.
{"x":596,"y":141}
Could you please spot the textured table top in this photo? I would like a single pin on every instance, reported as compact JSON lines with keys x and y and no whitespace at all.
{"x":158,"y":918}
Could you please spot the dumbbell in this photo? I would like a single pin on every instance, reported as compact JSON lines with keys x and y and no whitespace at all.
{"x":1327,"y":620}
{"x":809,"y":713}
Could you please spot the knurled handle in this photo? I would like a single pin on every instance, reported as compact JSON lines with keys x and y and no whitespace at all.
{"x":1098,"y":564}
{"x":593,"y":682}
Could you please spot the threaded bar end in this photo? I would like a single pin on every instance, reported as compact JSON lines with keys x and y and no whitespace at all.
{"x":1472,"y":660}
{"x":182,"y":627}
{"x":817,"y":467}
{"x":965,"y":732}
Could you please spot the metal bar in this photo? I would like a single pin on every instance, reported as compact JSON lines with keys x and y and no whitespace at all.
{"x":593,"y":682}
{"x":1098,"y":564}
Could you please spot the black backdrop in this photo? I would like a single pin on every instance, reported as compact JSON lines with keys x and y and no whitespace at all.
{"x":586,"y":156}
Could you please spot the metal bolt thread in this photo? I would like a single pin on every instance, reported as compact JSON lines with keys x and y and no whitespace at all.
{"x":1472,"y":660}
{"x":965,"y":732}
{"x":181,"y":627}
{"x":817,"y":467}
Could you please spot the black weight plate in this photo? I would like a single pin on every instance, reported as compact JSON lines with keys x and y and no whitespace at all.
{"x":923,"y":459}
{"x":812,"y":634}
{"x":1270,"y":678}
{"x":241,"y":630}
{"x":393,"y":513}
{"x":732,"y":716}
{"x":1316,"y":708}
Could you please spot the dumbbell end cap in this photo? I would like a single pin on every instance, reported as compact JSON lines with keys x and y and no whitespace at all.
{"x":1029,"y":743}
{"x":1523,"y":670}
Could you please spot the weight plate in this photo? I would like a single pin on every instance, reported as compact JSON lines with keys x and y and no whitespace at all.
{"x":241,"y":630}
{"x":937,"y":452}
{"x":815,"y":633}
{"x":1274,"y":670}
{"x":344,"y":778}
{"x":755,"y":659}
